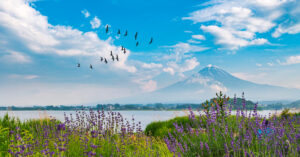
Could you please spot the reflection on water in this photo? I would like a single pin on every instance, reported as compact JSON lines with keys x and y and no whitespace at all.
{"x":145,"y":117}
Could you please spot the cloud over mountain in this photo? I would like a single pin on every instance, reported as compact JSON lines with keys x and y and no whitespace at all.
{"x":207,"y":82}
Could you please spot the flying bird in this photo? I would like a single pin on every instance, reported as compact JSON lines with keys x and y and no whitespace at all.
{"x":135,"y":36}
{"x":78,"y":65}
{"x":91,"y":67}
{"x":106,"y":28}
{"x":105,"y":60}
{"x":119,"y":32}
{"x":125,"y":33}
{"x":137,"y":44}
{"x":112,"y":57}
{"x":151,"y":40}
{"x":117,"y":57}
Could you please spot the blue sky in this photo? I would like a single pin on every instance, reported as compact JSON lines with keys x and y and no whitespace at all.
{"x":41,"y":42}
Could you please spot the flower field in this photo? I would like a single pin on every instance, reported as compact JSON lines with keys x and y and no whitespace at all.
{"x":107,"y":133}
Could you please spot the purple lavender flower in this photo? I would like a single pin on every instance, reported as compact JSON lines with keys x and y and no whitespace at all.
{"x":61,"y":126}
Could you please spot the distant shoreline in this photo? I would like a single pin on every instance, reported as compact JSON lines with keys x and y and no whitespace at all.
{"x":235,"y":104}
{"x":87,"y":109}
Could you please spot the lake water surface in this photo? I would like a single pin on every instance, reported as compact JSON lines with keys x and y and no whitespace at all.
{"x":145,"y":117}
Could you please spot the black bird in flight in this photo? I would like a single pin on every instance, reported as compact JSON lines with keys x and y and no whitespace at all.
{"x":117,"y":57}
{"x":112,"y":57}
{"x":135,"y":36}
{"x":78,"y":65}
{"x":137,"y":44}
{"x":105,"y":60}
{"x":119,"y":32}
{"x":125,"y":33}
{"x":91,"y":67}
{"x":151,"y":40}
{"x":106,"y":29}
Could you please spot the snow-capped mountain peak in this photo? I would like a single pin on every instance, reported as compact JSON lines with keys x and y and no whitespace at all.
{"x":210,"y":80}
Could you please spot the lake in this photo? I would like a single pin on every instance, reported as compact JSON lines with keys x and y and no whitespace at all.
{"x":145,"y":117}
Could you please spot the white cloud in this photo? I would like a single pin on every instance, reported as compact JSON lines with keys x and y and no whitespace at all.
{"x":30,"y":77}
{"x":198,"y":37}
{"x":95,"y":22}
{"x":149,"y":86}
{"x":146,"y":83}
{"x":26,"y":77}
{"x":200,"y":80}
{"x":185,"y":48}
{"x":232,"y":16}
{"x":291,"y":60}
{"x":169,"y":70}
{"x":270,"y":64}
{"x":123,"y":62}
{"x":258,"y":64}
{"x":292,"y":29}
{"x":180,"y":49}
{"x":23,"y":27}
{"x":269,"y":3}
{"x":179,"y":63}
{"x":218,"y":88}
{"x":225,"y":37}
{"x":250,"y":77}
{"x":145,"y":75}
{"x":229,"y":39}
{"x":151,"y":65}
{"x":85,"y":13}
{"x":15,"y":57}
{"x":259,"y":41}
{"x":188,"y":32}
{"x":291,"y":24}
{"x":187,"y":65}
{"x":238,"y":21}
{"x":193,"y":41}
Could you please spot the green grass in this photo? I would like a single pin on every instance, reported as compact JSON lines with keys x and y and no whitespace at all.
{"x":149,"y":143}
{"x":28,"y":127}
{"x":162,"y":128}
{"x":111,"y":145}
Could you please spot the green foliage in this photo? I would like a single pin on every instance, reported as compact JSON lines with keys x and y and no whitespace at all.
{"x":4,"y":133}
{"x":239,"y":135}
{"x":287,"y":114}
{"x":15,"y":134}
{"x":26,"y":128}
{"x":162,"y":128}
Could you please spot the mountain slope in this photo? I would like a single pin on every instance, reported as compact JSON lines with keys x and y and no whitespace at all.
{"x":210,"y":80}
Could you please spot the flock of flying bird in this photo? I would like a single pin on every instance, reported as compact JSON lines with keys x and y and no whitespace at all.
{"x":116,"y":57}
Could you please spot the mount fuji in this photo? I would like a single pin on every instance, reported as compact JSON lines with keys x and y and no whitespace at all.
{"x":210,"y":80}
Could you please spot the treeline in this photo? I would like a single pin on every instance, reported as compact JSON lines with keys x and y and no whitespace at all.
{"x":280,"y":106}
{"x":235,"y":104}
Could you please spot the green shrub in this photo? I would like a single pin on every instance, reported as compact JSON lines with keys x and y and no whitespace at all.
{"x":162,"y":128}
{"x":29,"y":127}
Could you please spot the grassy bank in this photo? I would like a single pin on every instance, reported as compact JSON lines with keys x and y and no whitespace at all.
{"x":105,"y":133}
{"x":88,"y":133}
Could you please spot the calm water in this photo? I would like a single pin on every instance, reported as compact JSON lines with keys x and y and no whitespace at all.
{"x":145,"y":117}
